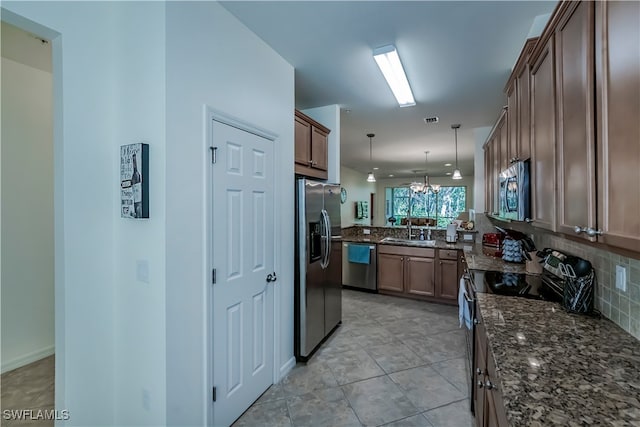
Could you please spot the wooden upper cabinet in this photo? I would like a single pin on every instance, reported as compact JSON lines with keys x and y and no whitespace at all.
{"x":311,"y":147}
{"x":618,"y":122}
{"x":512,"y":123}
{"x":518,"y":99}
{"x":302,"y":141}
{"x":543,"y":137}
{"x":523,"y":134}
{"x":319,"y":146}
{"x":503,"y":142}
{"x":576,"y":117}
{"x":488,"y":188}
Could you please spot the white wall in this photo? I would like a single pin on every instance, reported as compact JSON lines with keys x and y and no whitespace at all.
{"x":109,"y":85}
{"x":212,"y":59}
{"x":329,"y":116}
{"x":379,"y":218}
{"x":27,"y":214}
{"x":479,"y":137}
{"x":358,"y":190}
{"x":139,"y":307}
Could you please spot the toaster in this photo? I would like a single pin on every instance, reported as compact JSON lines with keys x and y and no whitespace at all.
{"x":492,"y":239}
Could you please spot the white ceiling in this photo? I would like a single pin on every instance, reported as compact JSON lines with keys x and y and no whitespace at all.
{"x":457,"y":56}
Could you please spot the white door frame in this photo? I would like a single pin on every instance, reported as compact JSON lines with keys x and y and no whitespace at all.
{"x":210,"y":115}
{"x":55,"y":39}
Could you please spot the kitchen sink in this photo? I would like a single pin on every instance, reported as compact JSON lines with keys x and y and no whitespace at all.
{"x":416,"y":242}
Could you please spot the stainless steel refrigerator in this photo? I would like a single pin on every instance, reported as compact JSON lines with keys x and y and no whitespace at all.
{"x":318,"y":286}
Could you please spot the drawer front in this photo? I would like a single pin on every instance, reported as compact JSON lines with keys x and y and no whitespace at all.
{"x":448,"y":254}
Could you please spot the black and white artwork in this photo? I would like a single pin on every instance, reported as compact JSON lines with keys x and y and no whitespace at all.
{"x":134,"y":181}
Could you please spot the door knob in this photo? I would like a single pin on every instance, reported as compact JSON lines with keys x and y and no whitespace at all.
{"x":272,"y":277}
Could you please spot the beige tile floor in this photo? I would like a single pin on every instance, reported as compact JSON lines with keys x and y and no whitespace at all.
{"x":28,"y":387}
{"x":393,"y":362}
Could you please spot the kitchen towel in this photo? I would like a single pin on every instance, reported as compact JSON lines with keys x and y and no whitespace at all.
{"x":359,"y":254}
{"x":463,"y":307}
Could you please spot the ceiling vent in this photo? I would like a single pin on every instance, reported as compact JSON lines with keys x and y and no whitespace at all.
{"x":429,"y":120}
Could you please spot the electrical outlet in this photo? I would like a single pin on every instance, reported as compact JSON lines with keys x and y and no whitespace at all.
{"x":621,"y":278}
{"x":146,"y":399}
{"x":366,"y":231}
{"x":142,"y":270}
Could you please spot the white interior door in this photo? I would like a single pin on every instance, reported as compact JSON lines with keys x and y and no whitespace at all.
{"x":243,"y":257}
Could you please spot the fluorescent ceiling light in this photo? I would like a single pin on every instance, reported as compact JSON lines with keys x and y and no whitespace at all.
{"x":389,"y":63}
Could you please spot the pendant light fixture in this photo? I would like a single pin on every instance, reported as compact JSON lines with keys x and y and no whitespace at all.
{"x":456,"y":172}
{"x":371,"y":178}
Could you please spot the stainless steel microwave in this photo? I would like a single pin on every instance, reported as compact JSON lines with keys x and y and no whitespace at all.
{"x":514,"y":194}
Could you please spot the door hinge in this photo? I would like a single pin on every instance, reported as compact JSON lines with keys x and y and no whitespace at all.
{"x":214,"y":151}
{"x":213,"y":276}
{"x":214,"y":394}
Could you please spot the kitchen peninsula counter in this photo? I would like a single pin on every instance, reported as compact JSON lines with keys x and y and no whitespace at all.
{"x":555,"y":368}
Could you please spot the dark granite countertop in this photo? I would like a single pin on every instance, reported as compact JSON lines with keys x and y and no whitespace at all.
{"x":556,"y":368}
{"x":439,"y":244}
{"x":476,"y":259}
{"x":361,"y":239}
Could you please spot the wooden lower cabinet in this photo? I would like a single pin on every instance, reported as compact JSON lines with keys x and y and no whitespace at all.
{"x":390,"y":272}
{"x":421,"y":273}
{"x":488,"y":404}
{"x":448,"y":274}
{"x":419,"y":276}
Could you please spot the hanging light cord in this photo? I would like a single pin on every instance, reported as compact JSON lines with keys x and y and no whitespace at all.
{"x":456,"y":131}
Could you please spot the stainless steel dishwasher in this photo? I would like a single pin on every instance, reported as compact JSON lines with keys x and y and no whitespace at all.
{"x":360,"y":275}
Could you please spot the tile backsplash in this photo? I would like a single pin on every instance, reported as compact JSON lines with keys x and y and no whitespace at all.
{"x":623,"y":308}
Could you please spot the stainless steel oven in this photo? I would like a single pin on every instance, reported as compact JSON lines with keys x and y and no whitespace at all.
{"x":470,"y":277}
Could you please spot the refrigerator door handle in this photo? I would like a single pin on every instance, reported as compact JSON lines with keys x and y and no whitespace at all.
{"x":328,"y":220}
{"x":325,"y":238}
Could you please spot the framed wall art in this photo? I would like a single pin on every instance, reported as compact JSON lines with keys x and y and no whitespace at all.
{"x":134,"y":181}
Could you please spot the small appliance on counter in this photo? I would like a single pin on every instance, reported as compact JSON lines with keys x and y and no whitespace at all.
{"x":492,"y":244}
{"x":452,"y":233}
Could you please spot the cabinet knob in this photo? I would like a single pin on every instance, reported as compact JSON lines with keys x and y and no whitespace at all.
{"x":592,"y":232}
{"x":475,"y":321}
{"x":480,"y":384}
{"x":488,"y":385}
{"x":577,"y":229}
{"x":314,"y":163}
{"x":528,"y":220}
{"x":478,"y":371}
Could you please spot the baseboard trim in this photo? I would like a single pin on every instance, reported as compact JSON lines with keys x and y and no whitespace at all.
{"x":27,"y":358}
{"x":287,"y":367}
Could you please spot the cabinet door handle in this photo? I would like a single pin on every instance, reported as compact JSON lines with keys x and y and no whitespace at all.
{"x":488,"y":385}
{"x":480,"y":384}
{"x":478,"y":371}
